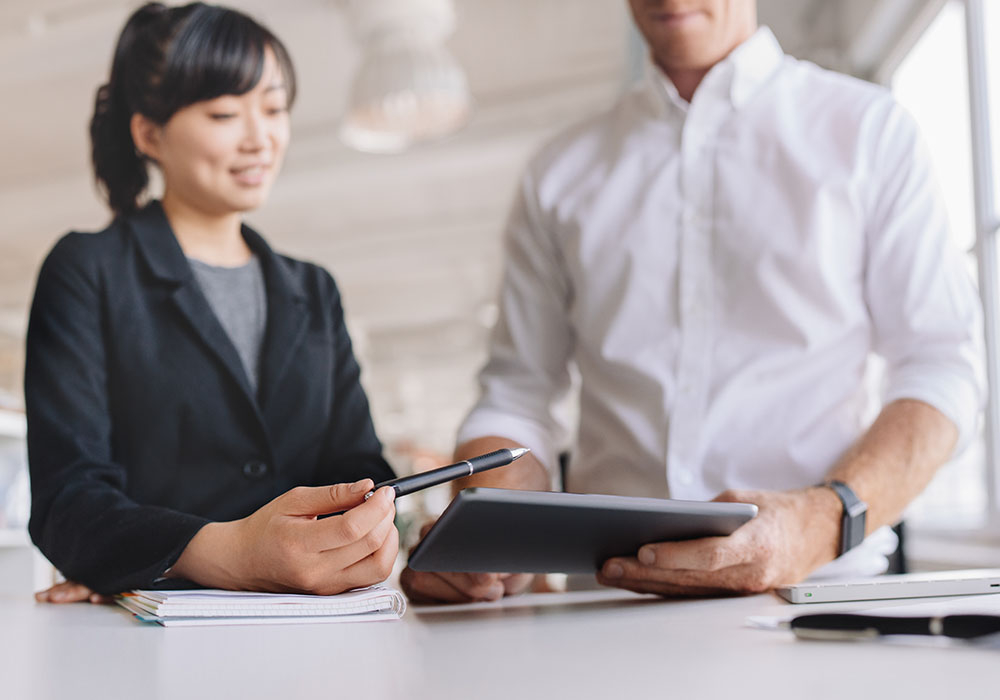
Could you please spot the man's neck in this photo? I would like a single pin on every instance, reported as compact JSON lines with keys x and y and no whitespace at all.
{"x":687,"y":79}
{"x":210,"y":238}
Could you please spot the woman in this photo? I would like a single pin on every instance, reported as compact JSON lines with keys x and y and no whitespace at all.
{"x":182,"y":379}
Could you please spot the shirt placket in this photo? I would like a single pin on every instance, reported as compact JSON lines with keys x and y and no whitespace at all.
{"x":694,"y":290}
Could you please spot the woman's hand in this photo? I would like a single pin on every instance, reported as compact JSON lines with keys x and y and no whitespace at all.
{"x":70,"y":592}
{"x":284,"y":546}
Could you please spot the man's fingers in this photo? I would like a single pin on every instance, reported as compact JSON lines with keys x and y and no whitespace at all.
{"x":350,"y":526}
{"x":736,"y":496}
{"x":322,"y":500}
{"x":516,"y":583}
{"x":630,"y":569}
{"x":705,"y":554}
{"x":451,"y":587}
{"x":742,"y":578}
{"x":438,"y":587}
{"x":429,"y":587}
{"x":478,"y":586}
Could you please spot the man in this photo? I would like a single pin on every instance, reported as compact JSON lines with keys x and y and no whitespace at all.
{"x":719,"y":254}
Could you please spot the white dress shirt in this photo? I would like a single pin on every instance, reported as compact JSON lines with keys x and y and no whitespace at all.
{"x":720,"y":272}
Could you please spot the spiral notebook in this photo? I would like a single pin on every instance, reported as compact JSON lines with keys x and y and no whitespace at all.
{"x":217,"y":607}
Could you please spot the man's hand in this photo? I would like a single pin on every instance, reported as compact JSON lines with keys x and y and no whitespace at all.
{"x":453,"y":587}
{"x":794,"y":533}
{"x":450,"y":587}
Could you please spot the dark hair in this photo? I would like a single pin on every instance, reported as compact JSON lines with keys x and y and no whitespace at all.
{"x":168,"y":58}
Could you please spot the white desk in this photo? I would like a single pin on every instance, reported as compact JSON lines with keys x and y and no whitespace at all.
{"x":594,"y":644}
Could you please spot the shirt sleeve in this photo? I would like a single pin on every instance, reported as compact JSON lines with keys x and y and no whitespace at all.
{"x":81,"y":517}
{"x":925,"y":310}
{"x":527,"y":371}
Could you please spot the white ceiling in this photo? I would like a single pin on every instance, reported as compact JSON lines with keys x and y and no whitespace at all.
{"x":414,"y":239}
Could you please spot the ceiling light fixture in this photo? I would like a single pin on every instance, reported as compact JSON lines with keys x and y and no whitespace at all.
{"x":409,"y":88}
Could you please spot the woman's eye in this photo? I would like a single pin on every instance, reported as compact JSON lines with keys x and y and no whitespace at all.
{"x":274,"y":111}
{"x":221,"y":116}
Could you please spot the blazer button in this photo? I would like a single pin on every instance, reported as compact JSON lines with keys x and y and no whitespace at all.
{"x":254,"y":470}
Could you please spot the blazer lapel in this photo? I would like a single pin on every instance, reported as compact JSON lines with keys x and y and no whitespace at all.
{"x":166,"y":260}
{"x":287,"y":318}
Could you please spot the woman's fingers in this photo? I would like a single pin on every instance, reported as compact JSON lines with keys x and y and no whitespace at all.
{"x":322,"y":500}
{"x":374,"y":568}
{"x":374,"y":540}
{"x":69,"y":592}
{"x":352,"y":526}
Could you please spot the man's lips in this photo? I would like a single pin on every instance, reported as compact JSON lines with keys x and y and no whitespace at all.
{"x":675,"y":19}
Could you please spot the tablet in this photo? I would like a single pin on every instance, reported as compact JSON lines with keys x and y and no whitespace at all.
{"x":502,"y":530}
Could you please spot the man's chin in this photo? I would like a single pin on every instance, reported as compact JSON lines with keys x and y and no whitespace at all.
{"x":686,"y":53}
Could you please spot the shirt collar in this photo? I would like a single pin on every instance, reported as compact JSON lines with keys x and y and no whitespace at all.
{"x":737,"y":77}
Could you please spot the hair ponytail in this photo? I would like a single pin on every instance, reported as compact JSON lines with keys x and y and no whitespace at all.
{"x":118,"y":168}
{"x":168,"y":58}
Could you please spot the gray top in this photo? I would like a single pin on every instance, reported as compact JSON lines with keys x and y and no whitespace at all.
{"x":238,"y":297}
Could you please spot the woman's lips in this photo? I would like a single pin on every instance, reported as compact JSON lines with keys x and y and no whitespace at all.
{"x":250,"y":175}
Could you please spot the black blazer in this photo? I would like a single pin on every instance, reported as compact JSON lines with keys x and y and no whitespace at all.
{"x":142,"y":425}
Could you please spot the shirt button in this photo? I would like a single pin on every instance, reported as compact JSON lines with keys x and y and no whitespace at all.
{"x":254,"y":470}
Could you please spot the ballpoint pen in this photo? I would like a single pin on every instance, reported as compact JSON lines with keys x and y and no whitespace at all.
{"x":416,"y":482}
{"x":847,"y":626}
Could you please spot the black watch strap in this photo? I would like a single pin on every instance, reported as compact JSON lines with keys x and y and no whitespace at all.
{"x":852,"y":523}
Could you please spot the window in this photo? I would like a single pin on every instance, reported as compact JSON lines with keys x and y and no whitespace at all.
{"x":933,"y":83}
{"x":991,"y":33}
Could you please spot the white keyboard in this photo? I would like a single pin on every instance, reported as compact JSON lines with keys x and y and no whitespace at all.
{"x":924,"y":585}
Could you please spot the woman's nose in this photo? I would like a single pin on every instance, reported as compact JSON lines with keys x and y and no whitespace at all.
{"x":255,"y":136}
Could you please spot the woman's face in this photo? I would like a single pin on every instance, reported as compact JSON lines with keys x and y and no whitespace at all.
{"x":222,"y":155}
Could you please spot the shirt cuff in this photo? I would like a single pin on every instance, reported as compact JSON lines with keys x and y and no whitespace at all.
{"x":957,"y":397}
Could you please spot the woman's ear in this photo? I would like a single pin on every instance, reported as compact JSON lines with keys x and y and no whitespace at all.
{"x":146,"y":136}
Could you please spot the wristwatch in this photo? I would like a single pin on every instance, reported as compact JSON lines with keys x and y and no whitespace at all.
{"x":852,"y":524}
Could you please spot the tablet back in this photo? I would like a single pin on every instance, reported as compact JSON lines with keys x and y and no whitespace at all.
{"x":501,"y":530}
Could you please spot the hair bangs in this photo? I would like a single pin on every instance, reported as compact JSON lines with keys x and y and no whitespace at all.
{"x":220,"y":52}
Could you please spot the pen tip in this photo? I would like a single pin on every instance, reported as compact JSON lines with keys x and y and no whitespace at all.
{"x":519,"y":452}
